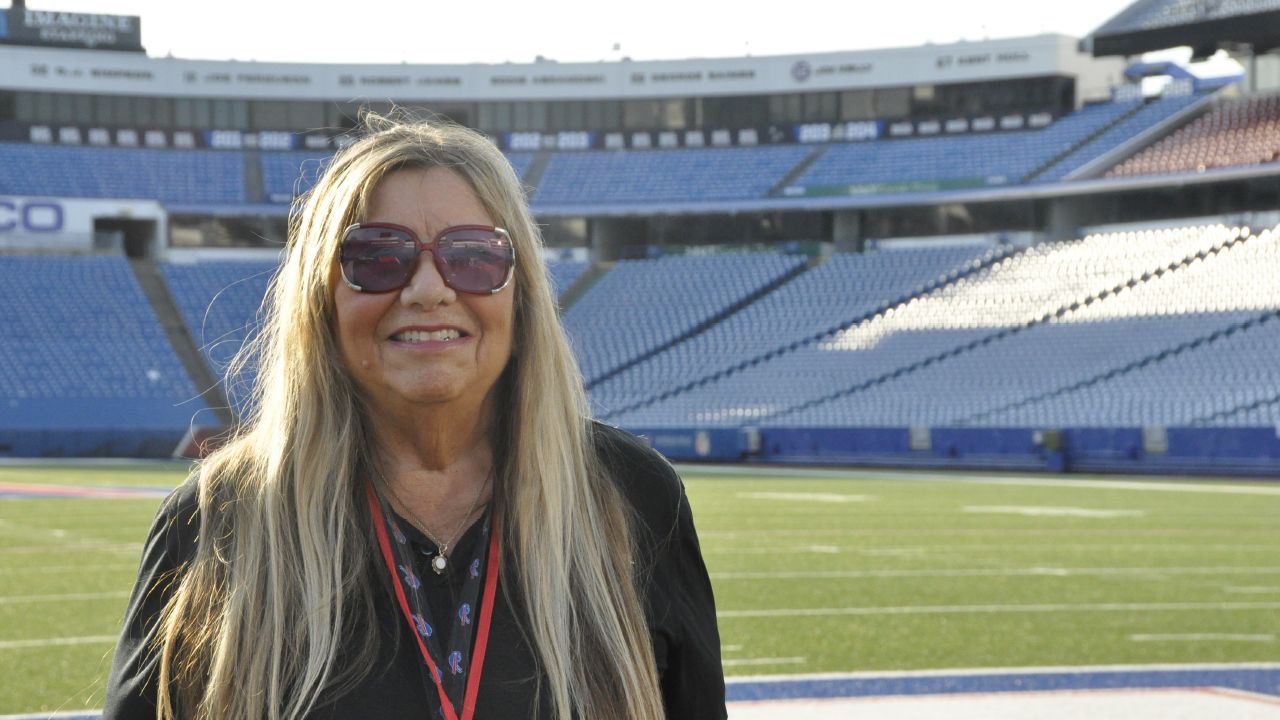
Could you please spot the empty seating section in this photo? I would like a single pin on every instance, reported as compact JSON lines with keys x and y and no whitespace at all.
{"x":665,"y":175}
{"x":1239,"y":131}
{"x":219,"y":303}
{"x":520,"y":162}
{"x":643,"y":305}
{"x":1224,"y":312}
{"x":834,"y":294}
{"x":1108,"y":337}
{"x":1154,"y":113}
{"x":995,"y":158}
{"x":564,"y":273}
{"x":1024,"y":289}
{"x":285,"y":175}
{"x":80,"y":330}
{"x":172,"y":176}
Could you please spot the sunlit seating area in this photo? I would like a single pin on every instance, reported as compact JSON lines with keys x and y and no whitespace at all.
{"x":1240,"y":131}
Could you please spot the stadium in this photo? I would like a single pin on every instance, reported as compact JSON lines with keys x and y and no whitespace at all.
{"x":981,"y":338}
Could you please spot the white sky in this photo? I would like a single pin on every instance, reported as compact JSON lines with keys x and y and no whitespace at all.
{"x":463,"y":31}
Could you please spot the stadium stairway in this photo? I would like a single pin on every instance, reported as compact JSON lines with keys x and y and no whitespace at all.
{"x":1232,"y":413}
{"x":533,"y":175}
{"x":166,"y":311}
{"x":703,"y":326}
{"x":1067,"y":152}
{"x":885,"y":308}
{"x":255,"y":189}
{"x":1155,"y":357}
{"x":800,"y":169}
{"x":1008,"y":332}
{"x":589,"y":277}
{"x":1127,"y":138}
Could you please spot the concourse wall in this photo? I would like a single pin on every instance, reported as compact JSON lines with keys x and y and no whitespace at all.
{"x":97,"y":427}
{"x":1164,"y":451}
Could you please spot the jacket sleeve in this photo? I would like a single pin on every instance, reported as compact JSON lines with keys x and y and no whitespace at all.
{"x":693,"y":679}
{"x":131,"y":686}
{"x":678,"y":598}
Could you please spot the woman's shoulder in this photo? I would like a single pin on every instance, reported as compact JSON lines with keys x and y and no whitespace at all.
{"x":177,"y":520}
{"x":644,"y":476}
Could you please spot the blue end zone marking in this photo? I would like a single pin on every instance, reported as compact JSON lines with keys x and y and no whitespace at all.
{"x":1256,"y":680}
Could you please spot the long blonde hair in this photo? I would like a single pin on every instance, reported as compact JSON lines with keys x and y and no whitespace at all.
{"x":280,"y":585}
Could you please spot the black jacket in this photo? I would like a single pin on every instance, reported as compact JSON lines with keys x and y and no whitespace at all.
{"x":678,"y":602}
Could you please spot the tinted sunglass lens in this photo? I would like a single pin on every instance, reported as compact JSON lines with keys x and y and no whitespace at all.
{"x":378,"y":259}
{"x":477,"y":261}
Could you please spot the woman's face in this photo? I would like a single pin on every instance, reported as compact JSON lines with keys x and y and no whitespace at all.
{"x":425,"y":344}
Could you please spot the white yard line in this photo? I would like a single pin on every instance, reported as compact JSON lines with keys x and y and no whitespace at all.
{"x":804,"y":497}
{"x":50,"y":642}
{"x":82,"y":546}
{"x":1034,"y":670}
{"x":909,"y":550}
{"x":988,"y":572}
{"x":49,"y":569}
{"x":994,"y":609}
{"x":18,"y":599}
{"x":1042,"y":511}
{"x":1202,"y":637}
{"x":738,"y":662}
{"x":1193,"y":486}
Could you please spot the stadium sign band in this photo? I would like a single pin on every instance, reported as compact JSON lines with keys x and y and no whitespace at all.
{"x":887,"y":187}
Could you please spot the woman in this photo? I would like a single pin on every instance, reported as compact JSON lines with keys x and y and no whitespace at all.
{"x":419,"y":441}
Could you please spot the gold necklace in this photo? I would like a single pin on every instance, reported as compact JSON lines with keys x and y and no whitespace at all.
{"x":440,"y":561}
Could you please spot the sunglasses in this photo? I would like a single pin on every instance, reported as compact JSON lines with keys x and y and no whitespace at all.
{"x":381,"y":257}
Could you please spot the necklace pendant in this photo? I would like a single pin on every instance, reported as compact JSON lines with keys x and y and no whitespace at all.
{"x":439,"y":563}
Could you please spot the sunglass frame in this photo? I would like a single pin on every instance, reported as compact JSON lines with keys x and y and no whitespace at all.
{"x":421,"y":247}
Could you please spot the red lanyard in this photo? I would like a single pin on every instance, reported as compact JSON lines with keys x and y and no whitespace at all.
{"x":486,"y":612}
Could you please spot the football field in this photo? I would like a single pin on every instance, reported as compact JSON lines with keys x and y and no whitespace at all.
{"x":824,"y":573}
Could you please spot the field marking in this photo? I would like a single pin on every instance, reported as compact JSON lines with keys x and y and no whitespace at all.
{"x":920,"y":551}
{"x":1042,"y":511}
{"x":18,"y":491}
{"x":37,"y":549}
{"x":52,"y":569}
{"x":1193,"y":485}
{"x":992,"y":609}
{"x":804,"y":497}
{"x":995,"y":671}
{"x":19,"y":599}
{"x":49,"y":642}
{"x":1202,"y":637}
{"x":1251,"y":590}
{"x":976,"y":532}
{"x":985,"y":572}
{"x":1243,"y":694}
{"x":764,"y":661}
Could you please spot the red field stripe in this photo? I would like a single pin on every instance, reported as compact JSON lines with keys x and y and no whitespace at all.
{"x":24,"y":490}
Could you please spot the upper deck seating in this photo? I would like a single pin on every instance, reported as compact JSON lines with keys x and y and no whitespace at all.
{"x":637,"y":176}
{"x":169,"y":176}
{"x":1239,"y":131}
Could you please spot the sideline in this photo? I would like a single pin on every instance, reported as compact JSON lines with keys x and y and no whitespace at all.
{"x":1117,"y":482}
{"x":777,"y":694}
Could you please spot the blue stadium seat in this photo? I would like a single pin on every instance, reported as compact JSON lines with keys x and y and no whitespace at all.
{"x":80,"y":348}
{"x":170,"y":176}
{"x":639,"y":176}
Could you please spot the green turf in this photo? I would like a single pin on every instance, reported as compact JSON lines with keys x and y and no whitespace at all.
{"x":889,"y":574}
